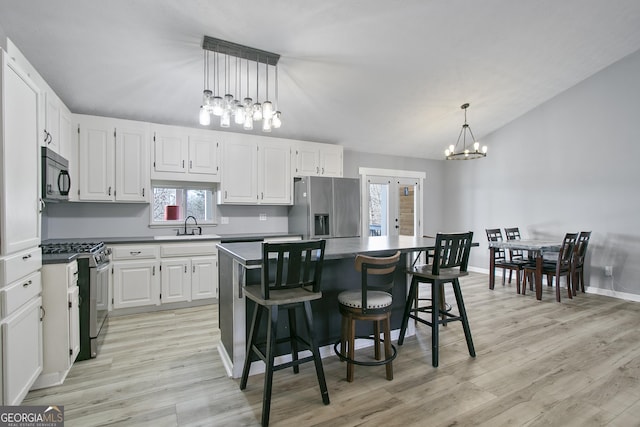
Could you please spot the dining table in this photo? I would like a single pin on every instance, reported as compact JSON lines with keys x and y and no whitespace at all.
{"x":536,"y":249}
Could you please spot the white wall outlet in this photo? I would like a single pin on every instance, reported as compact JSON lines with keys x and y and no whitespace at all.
{"x":224,"y":220}
{"x":263,"y":217}
{"x":608,"y":270}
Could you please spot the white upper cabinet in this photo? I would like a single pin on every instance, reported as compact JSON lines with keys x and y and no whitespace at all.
{"x":275,"y":184}
{"x":19,"y":171}
{"x":184,"y":154}
{"x":315,"y":159}
{"x":256,"y":171}
{"x":113,"y":158}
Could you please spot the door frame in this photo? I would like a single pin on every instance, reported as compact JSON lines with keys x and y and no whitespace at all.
{"x":390,"y":173}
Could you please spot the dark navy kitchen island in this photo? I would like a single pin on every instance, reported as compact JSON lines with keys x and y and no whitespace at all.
{"x":240,"y":264}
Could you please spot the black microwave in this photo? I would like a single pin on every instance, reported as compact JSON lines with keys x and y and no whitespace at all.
{"x":56,"y":182}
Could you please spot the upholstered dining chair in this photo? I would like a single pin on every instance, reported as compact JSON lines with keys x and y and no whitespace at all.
{"x":517,"y":265}
{"x":579,"y":255}
{"x":372,"y":303}
{"x":558,"y":267}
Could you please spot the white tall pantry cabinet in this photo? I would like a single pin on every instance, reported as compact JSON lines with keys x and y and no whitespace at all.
{"x":20,"y":255}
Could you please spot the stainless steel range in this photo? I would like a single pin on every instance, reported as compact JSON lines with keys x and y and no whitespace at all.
{"x":93,"y":284}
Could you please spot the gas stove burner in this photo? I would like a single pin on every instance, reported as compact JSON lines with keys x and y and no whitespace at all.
{"x":72,"y":247}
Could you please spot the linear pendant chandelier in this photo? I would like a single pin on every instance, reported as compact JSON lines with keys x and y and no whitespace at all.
{"x":239,"y":70}
{"x":464,"y":153}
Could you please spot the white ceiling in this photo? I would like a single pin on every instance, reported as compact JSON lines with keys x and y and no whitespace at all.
{"x":379,"y":76}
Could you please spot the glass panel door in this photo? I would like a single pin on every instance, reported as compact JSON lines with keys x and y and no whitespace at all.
{"x":393,"y":207}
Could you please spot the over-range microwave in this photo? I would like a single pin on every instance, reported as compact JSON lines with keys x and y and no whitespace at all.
{"x":56,"y":181}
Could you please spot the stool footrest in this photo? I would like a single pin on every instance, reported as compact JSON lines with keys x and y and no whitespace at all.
{"x":343,"y":357}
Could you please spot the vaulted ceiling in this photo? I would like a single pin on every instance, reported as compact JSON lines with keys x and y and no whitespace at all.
{"x":380,"y":76}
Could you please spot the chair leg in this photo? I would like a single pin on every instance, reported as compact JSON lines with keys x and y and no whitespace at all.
{"x":557,"y":288}
{"x":255,"y":323}
{"x":343,"y":335}
{"x":582,"y":280}
{"x":510,"y":272}
{"x":569,"y":286}
{"x":272,"y":327}
{"x":517,"y":281}
{"x":413,"y":292}
{"x":387,"y":346}
{"x":465,"y":319}
{"x":376,"y":339}
{"x":435,"y":321}
{"x":293,"y":336}
{"x":316,"y":353}
{"x":351,"y":345}
{"x":504,"y":274}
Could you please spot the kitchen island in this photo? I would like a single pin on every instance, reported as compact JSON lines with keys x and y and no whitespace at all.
{"x":240,"y":265}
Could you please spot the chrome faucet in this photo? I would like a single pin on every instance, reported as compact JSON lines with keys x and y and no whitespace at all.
{"x":196,"y":224}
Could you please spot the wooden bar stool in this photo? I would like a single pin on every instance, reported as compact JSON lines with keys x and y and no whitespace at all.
{"x":291,"y":285}
{"x":451,"y":257}
{"x":371,"y":303}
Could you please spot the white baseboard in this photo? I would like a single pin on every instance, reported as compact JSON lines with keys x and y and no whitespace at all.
{"x":614,"y":294}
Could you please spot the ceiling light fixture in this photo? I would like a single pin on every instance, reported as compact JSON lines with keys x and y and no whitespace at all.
{"x":229,"y":109}
{"x":465,"y":153}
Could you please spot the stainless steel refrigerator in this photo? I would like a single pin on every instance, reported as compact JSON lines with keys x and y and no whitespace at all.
{"x":325,"y":207}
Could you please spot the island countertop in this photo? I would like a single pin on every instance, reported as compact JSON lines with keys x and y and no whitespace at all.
{"x":251,"y":253}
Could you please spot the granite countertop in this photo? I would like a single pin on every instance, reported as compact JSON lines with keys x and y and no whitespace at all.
{"x":251,"y":253}
{"x":58,"y":258}
{"x":225,"y":238}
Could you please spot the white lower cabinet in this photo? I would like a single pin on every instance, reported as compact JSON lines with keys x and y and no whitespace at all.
{"x":189,"y":271}
{"x":151,"y":275}
{"x":136,"y":284}
{"x":61,"y":324}
{"x":22,"y":351}
{"x":136,"y":276}
{"x":176,"y":280}
{"x":204,"y":277}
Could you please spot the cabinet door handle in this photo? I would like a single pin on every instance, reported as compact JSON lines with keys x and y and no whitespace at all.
{"x":317,"y":169}
{"x":193,"y":269}
{"x":143,"y":192}
{"x":134,"y":253}
{"x":225,"y":194}
{"x":183,"y":164}
{"x":43,"y":205}
{"x":190,"y":164}
{"x":24,"y":285}
{"x":153,"y":271}
{"x":322,"y":171}
{"x":26,"y":257}
{"x":109,"y":192}
{"x":42,"y":313}
{"x":185,"y":269}
{"x":262,"y":196}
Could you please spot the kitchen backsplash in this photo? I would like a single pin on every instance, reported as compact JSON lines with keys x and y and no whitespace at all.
{"x":83,"y":220}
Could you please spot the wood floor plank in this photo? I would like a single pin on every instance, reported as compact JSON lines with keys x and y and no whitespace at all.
{"x":538,"y":363}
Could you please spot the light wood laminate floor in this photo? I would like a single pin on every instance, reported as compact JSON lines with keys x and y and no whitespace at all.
{"x":575,"y":363}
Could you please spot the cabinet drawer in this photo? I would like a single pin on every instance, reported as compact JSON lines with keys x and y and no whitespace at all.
{"x":188,"y":249}
{"x":134,"y":252}
{"x":18,"y":293}
{"x":15,"y":266}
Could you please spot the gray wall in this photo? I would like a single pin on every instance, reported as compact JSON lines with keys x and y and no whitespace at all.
{"x":569,"y":165}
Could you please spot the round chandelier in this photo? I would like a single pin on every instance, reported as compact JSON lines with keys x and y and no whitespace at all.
{"x":460,"y":151}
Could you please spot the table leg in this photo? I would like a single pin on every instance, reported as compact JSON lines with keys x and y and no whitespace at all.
{"x":539,"y":276}
{"x":492,"y":267}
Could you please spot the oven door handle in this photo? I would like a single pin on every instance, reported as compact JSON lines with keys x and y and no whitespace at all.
{"x":102,"y":267}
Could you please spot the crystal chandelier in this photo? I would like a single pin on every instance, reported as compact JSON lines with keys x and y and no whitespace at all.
{"x":463,"y":152}
{"x":237,"y":63}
